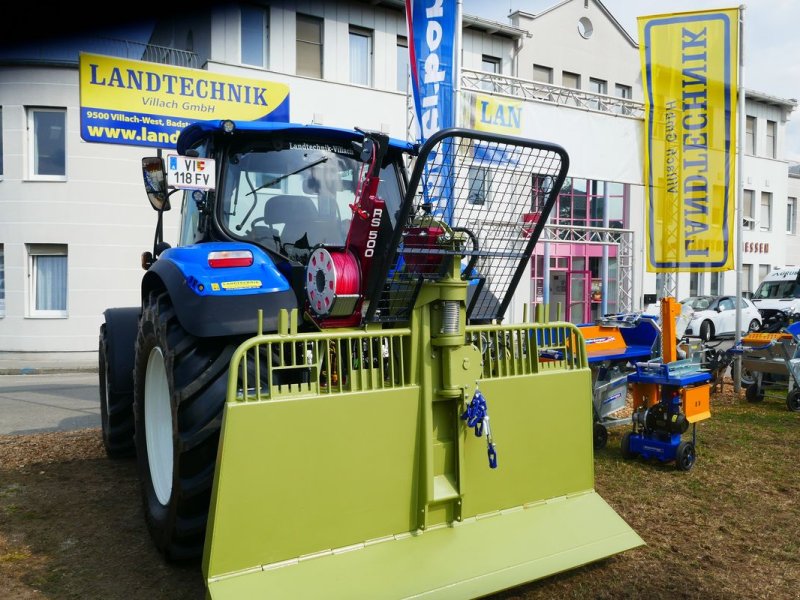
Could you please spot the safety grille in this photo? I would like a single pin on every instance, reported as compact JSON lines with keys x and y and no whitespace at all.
{"x":512,"y":350}
{"x":477,"y":198}
{"x":274,"y":366}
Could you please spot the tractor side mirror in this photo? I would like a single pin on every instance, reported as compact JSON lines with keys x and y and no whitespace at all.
{"x":364,"y":149}
{"x":155,"y":182}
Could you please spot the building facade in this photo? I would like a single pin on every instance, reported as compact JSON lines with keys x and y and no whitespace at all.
{"x":74,"y":218}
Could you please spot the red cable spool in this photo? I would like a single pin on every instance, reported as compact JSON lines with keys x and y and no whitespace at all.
{"x":333,"y":282}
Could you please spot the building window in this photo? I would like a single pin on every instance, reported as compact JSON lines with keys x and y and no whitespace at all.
{"x":623,"y":91}
{"x":749,"y":221}
{"x":479,"y":179}
{"x":47,"y":278}
{"x":1,"y":143}
{"x":403,"y":71}
{"x":626,"y":93}
{"x":47,"y":143}
{"x":694,"y":284}
{"x":598,"y":86}
{"x":255,"y":35}
{"x":309,"y":46}
{"x":765,"y":218}
{"x":585,"y":27}
{"x":716,"y":283}
{"x":791,"y":216}
{"x":541,"y":186}
{"x":763,"y":271}
{"x":2,"y":282}
{"x":571,"y":80}
{"x":360,"y":56}
{"x":772,"y":129}
{"x":750,"y":136}
{"x":543,"y":74}
{"x":489,"y":64}
{"x":747,"y":276}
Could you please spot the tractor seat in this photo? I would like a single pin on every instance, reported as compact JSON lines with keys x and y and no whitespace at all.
{"x":294,"y":213}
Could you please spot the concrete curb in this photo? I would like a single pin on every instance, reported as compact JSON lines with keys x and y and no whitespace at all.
{"x":46,"y":370}
{"x":43,"y":363}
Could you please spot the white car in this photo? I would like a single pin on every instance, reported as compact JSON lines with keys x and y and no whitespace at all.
{"x":714,"y":316}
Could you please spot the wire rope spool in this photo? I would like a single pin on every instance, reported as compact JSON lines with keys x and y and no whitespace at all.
{"x":333,"y":282}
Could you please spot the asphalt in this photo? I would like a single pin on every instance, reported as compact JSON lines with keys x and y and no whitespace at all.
{"x":40,"y":363}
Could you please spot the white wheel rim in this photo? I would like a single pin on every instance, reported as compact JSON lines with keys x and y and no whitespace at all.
{"x":158,"y":425}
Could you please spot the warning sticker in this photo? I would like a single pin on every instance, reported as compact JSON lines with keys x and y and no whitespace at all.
{"x":241,"y":285}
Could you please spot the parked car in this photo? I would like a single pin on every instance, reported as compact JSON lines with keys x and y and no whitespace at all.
{"x":714,"y":316}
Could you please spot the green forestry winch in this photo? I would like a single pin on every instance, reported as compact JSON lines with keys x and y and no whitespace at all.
{"x":355,"y":456}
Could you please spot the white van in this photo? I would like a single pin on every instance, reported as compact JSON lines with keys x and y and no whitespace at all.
{"x":779,"y":291}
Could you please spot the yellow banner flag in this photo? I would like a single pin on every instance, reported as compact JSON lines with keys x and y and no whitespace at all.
{"x":690,"y":77}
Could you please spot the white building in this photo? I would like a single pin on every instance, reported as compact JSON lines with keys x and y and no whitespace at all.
{"x":73,"y":228}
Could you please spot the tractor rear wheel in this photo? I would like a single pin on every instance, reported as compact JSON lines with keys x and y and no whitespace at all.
{"x":179,"y":392}
{"x":116,"y":406}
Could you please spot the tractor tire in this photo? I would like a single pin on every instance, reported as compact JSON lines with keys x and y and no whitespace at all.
{"x":754,"y":393}
{"x":685,"y":456}
{"x":180,"y":386}
{"x":706,"y":331}
{"x":116,"y":407}
{"x":793,"y":400}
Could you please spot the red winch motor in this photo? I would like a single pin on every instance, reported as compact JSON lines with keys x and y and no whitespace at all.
{"x":336,"y":277}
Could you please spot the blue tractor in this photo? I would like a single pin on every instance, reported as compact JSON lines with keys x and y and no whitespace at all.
{"x":244,"y":247}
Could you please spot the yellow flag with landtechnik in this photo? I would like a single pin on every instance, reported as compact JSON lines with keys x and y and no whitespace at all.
{"x":690,"y":75}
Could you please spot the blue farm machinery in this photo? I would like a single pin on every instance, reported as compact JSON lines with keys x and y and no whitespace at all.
{"x":318,"y":386}
{"x":670,"y":395}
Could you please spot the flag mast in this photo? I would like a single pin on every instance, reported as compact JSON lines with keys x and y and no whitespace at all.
{"x":737,"y":364}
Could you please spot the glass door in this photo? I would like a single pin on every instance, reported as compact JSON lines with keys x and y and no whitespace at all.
{"x":579,"y":296}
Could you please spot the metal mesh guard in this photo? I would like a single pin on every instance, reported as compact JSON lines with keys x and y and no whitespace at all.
{"x":502,"y":189}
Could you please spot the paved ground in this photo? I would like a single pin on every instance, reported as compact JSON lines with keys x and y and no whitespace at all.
{"x":30,"y":363}
{"x":49,"y":402}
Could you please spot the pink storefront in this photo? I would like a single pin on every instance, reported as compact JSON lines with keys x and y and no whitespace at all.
{"x":577,"y":277}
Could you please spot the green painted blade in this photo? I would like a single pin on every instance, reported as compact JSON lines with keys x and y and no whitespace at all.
{"x":469,"y":559}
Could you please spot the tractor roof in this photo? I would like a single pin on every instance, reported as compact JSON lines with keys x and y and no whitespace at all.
{"x":200,"y":129}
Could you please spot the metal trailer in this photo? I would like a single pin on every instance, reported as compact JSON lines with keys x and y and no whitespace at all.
{"x":614,"y":345}
{"x":773,"y":360}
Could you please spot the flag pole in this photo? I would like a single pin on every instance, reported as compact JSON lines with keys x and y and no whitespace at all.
{"x":737,"y":363}
{"x":457,"y":117}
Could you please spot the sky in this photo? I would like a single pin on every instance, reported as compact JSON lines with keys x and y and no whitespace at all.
{"x":771,"y":44}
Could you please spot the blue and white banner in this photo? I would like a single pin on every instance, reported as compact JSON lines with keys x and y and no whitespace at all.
{"x":433,"y":27}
